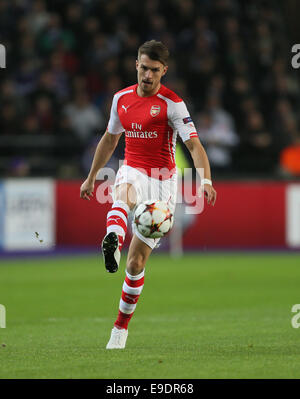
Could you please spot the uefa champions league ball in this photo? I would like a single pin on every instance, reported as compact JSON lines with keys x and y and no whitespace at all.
{"x":153,"y":219}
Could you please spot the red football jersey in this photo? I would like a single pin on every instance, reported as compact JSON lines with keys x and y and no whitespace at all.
{"x":151,"y":125}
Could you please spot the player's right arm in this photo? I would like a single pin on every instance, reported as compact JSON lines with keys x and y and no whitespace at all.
{"x":104,"y":150}
{"x":103,"y":153}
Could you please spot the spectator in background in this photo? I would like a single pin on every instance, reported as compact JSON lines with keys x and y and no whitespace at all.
{"x":61,"y":79}
{"x":231,"y":28}
{"x":18,"y":167}
{"x":202,"y":67}
{"x":110,"y":67}
{"x":53,"y":33}
{"x":285,"y":86}
{"x":46,"y":87}
{"x":85,"y":119}
{"x":38,"y":17}
{"x":112,"y":86}
{"x":7,"y":19}
{"x":290,"y":159}
{"x":216,"y":87}
{"x":257,"y":147}
{"x":219,"y":114}
{"x":31,"y":125}
{"x":247,"y":105}
{"x":45,"y":115}
{"x":130,"y":45}
{"x":240,"y":89}
{"x":202,"y":28}
{"x":9,"y":120}
{"x":89,"y":152}
{"x":73,"y":16}
{"x":9,"y":93}
{"x":216,"y":132}
{"x":256,"y":133}
{"x":263,"y":45}
{"x":283,"y":123}
{"x":235,"y":54}
{"x":103,"y":47}
{"x":157,"y":27}
{"x":27,"y":50}
{"x":26,"y":77}
{"x":128,"y":72}
{"x":186,"y":13}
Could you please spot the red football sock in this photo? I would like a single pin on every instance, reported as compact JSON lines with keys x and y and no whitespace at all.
{"x":131,"y":291}
{"x":117,"y":220}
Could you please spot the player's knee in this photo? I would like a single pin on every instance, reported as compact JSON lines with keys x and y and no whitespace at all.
{"x":135,"y":265}
{"x":126,"y":192}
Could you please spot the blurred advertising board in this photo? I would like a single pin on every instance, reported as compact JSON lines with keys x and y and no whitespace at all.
{"x":247,"y":215}
{"x":293,"y":215}
{"x":27,"y":220}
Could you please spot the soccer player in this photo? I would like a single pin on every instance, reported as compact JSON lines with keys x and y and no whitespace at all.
{"x":151,"y":115}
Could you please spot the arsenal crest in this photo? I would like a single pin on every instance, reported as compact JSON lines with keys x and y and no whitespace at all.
{"x":155,"y":110}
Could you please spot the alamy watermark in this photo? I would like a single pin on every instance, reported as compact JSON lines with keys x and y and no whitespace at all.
{"x":2,"y":56}
{"x":295,"y":61}
{"x":2,"y":316}
{"x":156,"y":186}
{"x":296,"y":317}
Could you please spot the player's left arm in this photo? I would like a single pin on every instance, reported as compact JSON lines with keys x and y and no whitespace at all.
{"x":181,"y":121}
{"x":201,"y":161}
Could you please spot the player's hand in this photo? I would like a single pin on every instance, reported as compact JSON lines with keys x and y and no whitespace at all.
{"x":209,"y":192}
{"x":86,"y":189}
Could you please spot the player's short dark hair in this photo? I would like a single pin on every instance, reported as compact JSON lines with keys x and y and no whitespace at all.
{"x":155,"y":50}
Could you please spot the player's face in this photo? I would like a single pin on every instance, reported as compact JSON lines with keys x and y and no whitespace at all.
{"x":149,"y":73}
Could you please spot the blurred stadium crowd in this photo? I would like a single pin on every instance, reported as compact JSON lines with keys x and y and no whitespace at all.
{"x":65,"y":60}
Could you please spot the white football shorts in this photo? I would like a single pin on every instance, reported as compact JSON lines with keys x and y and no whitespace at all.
{"x":147,"y":188}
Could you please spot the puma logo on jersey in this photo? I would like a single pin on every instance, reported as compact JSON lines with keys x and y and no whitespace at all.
{"x":123,"y":106}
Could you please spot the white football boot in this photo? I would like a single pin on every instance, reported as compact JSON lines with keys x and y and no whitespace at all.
{"x":117,"y":339}
{"x":111,"y":252}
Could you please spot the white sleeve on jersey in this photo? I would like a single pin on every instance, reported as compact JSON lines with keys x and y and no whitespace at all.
{"x":181,"y":121}
{"x":114,"y":125}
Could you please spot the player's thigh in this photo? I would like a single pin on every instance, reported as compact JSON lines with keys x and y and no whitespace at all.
{"x":138,"y":255}
{"x":126,"y":193}
{"x":169,"y":192}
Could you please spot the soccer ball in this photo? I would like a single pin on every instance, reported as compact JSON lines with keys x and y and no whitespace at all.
{"x":153,"y":219}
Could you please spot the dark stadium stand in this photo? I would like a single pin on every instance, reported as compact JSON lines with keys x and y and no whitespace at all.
{"x":230,"y":61}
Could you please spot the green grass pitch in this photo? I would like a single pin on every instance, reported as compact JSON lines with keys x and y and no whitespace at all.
{"x":201,"y":316}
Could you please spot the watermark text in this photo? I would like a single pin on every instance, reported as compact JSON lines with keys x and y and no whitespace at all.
{"x":296,"y":317}
{"x":2,"y":316}
{"x":2,"y":56}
